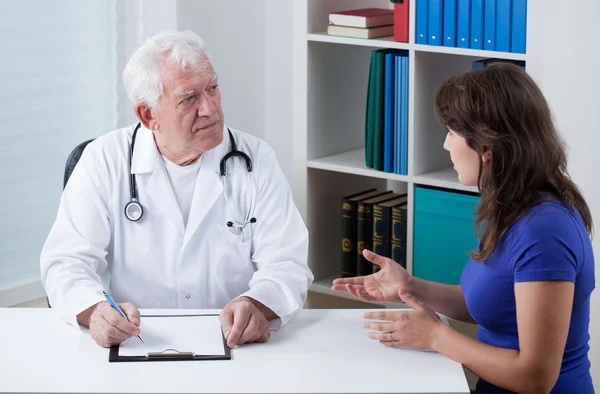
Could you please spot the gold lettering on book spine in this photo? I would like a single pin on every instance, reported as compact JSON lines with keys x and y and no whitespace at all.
{"x":346,"y":245}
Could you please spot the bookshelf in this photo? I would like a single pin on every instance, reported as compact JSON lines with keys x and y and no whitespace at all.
{"x":330,"y":90}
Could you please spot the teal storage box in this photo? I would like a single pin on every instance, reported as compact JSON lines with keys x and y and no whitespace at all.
{"x":444,"y":233}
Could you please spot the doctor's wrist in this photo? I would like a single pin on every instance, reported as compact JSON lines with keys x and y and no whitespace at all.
{"x":84,"y":318}
{"x":266,"y":311}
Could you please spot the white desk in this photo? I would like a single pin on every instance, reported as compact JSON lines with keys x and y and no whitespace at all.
{"x":320,"y":351}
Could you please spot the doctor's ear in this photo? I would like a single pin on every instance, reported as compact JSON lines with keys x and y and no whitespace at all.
{"x":146,"y":117}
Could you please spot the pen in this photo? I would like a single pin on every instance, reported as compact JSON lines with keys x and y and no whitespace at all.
{"x":114,"y":305}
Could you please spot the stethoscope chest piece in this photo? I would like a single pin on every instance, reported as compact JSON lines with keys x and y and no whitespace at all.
{"x":134,"y":211}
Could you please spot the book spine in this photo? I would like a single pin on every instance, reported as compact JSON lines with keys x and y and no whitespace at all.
{"x":382,"y":225}
{"x":348,"y":264}
{"x":364,"y":238}
{"x":463,"y":24}
{"x":519,"y":26}
{"x":398,"y":242}
{"x":503,"y":13}
{"x":401,"y":12}
{"x":489,"y":25}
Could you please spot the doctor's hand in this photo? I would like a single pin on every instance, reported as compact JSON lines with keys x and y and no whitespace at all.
{"x":243,"y":322}
{"x":383,"y":285}
{"x":108,"y":327}
{"x":417,"y":328}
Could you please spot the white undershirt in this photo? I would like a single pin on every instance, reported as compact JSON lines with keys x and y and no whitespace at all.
{"x":183,"y":183}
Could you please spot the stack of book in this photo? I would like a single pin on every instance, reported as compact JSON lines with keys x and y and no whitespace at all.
{"x":362,"y":23}
{"x":373,"y":220}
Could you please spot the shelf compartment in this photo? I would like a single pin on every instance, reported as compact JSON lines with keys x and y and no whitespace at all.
{"x":352,"y":162}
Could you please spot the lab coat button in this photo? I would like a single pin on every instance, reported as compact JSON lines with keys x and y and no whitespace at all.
{"x":187,"y":295}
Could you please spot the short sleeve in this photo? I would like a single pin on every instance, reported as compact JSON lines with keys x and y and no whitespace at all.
{"x":547,"y":246}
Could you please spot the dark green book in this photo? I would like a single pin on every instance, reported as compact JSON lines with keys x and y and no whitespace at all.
{"x":349,"y":207}
{"x":377,"y":108}
{"x":369,"y":118}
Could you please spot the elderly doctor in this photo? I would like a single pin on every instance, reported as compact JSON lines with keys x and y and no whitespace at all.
{"x":160,"y":214}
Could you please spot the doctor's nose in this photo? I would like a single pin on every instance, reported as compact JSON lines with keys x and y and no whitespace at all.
{"x":207,"y":106}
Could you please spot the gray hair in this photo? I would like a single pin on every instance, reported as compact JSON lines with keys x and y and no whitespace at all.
{"x":142,"y":76}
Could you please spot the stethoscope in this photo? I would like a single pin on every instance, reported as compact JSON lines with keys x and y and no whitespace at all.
{"x":134,"y":210}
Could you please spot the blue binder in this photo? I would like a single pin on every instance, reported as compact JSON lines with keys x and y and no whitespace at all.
{"x":397,"y":114}
{"x":489,"y":25}
{"x":519,"y":26}
{"x":434,"y":30}
{"x":476,"y":24}
{"x":421,"y":23}
{"x":388,"y":113}
{"x":404,"y":166}
{"x":463,"y":23}
{"x":503,"y":27}
{"x":450,"y":14}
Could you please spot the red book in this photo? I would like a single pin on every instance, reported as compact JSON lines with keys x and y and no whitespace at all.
{"x":362,"y":17}
{"x":401,"y":20}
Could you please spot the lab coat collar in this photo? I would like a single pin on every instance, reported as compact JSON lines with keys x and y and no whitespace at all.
{"x":146,"y":159}
{"x":145,"y":152}
{"x":208,"y":186}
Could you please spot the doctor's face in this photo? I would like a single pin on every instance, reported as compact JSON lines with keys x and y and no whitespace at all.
{"x":189,"y":120}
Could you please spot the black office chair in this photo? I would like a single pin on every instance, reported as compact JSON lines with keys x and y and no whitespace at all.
{"x":73,"y":159}
{"x":69,"y":167}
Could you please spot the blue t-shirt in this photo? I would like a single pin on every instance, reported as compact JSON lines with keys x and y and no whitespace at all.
{"x":549,"y":242}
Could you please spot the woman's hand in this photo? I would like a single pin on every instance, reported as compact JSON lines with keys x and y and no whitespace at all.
{"x":383,"y":285}
{"x":417,"y":328}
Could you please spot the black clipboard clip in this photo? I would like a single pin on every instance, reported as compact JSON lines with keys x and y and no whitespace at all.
{"x":170,"y":354}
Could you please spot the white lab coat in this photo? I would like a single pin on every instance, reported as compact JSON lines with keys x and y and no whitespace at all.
{"x":156,"y":262}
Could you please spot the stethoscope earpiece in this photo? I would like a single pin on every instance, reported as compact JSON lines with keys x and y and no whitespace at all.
{"x":241,"y":225}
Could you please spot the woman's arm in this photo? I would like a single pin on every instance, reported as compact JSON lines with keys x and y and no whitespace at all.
{"x":445,"y":299}
{"x":543,"y":318}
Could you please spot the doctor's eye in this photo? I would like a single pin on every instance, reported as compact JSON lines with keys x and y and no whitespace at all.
{"x":188,"y":99}
{"x":213,"y":88}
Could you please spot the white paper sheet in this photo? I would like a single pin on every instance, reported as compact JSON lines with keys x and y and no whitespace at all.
{"x":198,"y":334}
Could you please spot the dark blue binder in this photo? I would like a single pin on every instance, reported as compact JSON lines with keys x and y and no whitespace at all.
{"x":489,"y":25}
{"x":519,"y":26}
{"x":463,"y":23}
{"x":404,"y":164}
{"x":450,"y":14}
{"x":398,"y":115}
{"x":388,"y":116}
{"x":434,"y":23}
{"x":476,"y":24}
{"x":421,"y":23}
{"x":503,"y":27}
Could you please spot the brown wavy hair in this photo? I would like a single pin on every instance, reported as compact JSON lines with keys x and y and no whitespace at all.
{"x":500,"y":107}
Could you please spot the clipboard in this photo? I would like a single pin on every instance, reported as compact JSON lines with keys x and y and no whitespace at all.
{"x":171,"y":354}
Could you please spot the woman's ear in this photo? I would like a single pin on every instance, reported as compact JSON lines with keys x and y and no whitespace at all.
{"x":486,"y":155}
{"x":146,"y":117}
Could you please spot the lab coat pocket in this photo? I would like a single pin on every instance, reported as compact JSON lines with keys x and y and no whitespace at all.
{"x":233,"y":260}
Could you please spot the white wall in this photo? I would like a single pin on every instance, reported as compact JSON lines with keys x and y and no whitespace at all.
{"x":137,"y":21}
{"x":234,"y":34}
{"x":250,"y":43}
{"x":570,"y":80}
